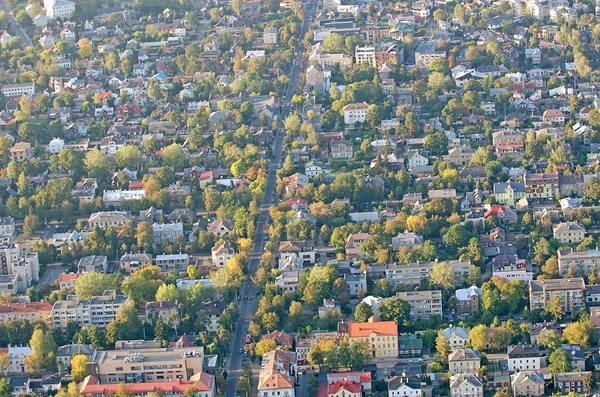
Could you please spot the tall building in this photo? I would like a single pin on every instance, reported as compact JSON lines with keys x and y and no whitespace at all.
{"x":382,"y":336}
{"x":99,"y":310}
{"x":423,"y":304}
{"x":581,"y":261}
{"x":569,"y":290}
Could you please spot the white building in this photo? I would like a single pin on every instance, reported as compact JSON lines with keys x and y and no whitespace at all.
{"x":365,"y":55}
{"x":16,"y":358}
{"x":13,"y":90}
{"x":99,"y":310}
{"x":114,"y":197}
{"x":355,"y":113}
{"x":173,"y":262}
{"x":166,"y":231}
{"x":55,"y":145}
{"x":523,"y":358}
{"x":466,"y":385}
{"x":7,"y":226}
{"x":62,"y":9}
{"x":270,"y":36}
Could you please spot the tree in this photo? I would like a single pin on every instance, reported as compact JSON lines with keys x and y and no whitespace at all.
{"x":43,"y":350}
{"x":30,"y":224}
{"x":292,"y":124}
{"x":437,"y":143}
{"x":383,"y":288}
{"x":442,"y":274}
{"x":264,"y":346}
{"x":340,"y":291}
{"x":173,"y":156}
{"x":85,"y":48}
{"x":144,"y":235}
{"x":579,"y":333}
{"x":373,"y":115}
{"x":442,"y":347}
{"x":479,"y":337}
{"x":296,"y":314}
{"x":94,"y":284}
{"x":78,"y":363}
{"x":333,"y":43}
{"x":168,"y":292}
{"x":560,"y":361}
{"x":550,"y":268}
{"x":97,"y":165}
{"x":394,"y":309}
{"x":457,"y":236}
{"x":555,"y":308}
{"x":128,"y":156}
{"x":363,"y":312}
{"x":160,"y":332}
{"x":550,"y":340}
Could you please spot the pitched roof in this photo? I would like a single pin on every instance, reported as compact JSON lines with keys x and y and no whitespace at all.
{"x":381,"y":328}
{"x":348,"y":385}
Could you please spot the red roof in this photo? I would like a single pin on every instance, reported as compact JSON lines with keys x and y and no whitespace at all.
{"x":351,"y":387}
{"x":68,"y":277}
{"x":205,"y":175}
{"x":136,"y":185}
{"x":200,"y":382}
{"x":25,"y":307}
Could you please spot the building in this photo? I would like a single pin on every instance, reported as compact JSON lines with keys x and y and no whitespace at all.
{"x":341,"y":149}
{"x":282,"y":339}
{"x":146,"y":365}
{"x":406,"y":239}
{"x":21,"y":151}
{"x":509,"y":193}
{"x":364,"y":379}
{"x":291,"y":269}
{"x":577,"y":355}
{"x":222,"y":254}
{"x":16,"y":90}
{"x":9,"y":283}
{"x":275,"y":377}
{"x":16,"y":359}
{"x":104,"y":219}
{"x":539,"y":329}
{"x":423,"y":304}
{"x":527,"y":383}
{"x":410,"y":345}
{"x":569,"y":232}
{"x":62,"y":9}
{"x":94,"y":263}
{"x":466,"y":385}
{"x":202,"y":384}
{"x":404,"y":386}
{"x":569,"y":290}
{"x":567,"y":382}
{"x":418,"y":274}
{"x":68,"y":280}
{"x":66,"y":352}
{"x":457,"y":337}
{"x":468,"y":300}
{"x":464,"y":361}
{"x":213,"y":311}
{"x":365,"y":55}
{"x":30,"y":311}
{"x":382,"y":336}
{"x":523,"y":358}
{"x":173,"y":262}
{"x":26,"y":267}
{"x":344,"y":388}
{"x":7,"y":226}
{"x":221,"y":227}
{"x":270,"y":35}
{"x":354,"y":242}
{"x":541,"y":185}
{"x":114,"y":197}
{"x":355,"y":113}
{"x":98,"y":310}
{"x":134,"y":262}
{"x":164,"y":309}
{"x":427,"y":53}
{"x":166,"y":232}
{"x":303,"y":249}
{"x":581,"y":261}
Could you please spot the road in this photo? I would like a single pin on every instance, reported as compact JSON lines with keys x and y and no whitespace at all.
{"x":15,"y":25}
{"x":249,"y":305}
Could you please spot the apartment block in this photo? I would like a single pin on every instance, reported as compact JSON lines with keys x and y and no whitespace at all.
{"x":173,"y":262}
{"x":541,"y":185}
{"x":382,"y":336}
{"x":30,"y":311}
{"x":569,"y":290}
{"x":15,"y":90}
{"x":581,"y":261}
{"x":418,"y":274}
{"x":146,"y":365}
{"x":423,"y":304}
{"x":569,"y":232}
{"x":99,"y":310}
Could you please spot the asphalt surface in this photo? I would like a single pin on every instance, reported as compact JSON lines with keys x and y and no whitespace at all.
{"x":15,"y":25}
{"x":249,"y":302}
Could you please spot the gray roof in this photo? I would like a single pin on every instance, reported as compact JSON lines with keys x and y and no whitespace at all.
{"x":516,"y":186}
{"x":458,"y":331}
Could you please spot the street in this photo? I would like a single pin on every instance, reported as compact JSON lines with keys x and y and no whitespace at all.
{"x":15,"y":25}
{"x":234,"y":364}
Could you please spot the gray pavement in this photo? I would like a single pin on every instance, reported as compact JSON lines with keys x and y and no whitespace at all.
{"x":234,"y":363}
{"x":15,"y":25}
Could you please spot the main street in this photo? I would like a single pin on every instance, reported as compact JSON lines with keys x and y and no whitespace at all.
{"x":248,"y":297}
{"x":15,"y":25}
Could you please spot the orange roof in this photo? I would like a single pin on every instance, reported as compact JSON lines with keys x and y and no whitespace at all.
{"x":68,"y":277}
{"x":200,"y":382}
{"x":352,"y":387}
{"x":381,"y":328}
{"x":25,"y":307}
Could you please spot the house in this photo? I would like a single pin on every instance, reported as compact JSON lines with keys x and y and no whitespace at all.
{"x":363,"y":379}
{"x":165,"y":309}
{"x":16,"y":359}
{"x":66,"y":352}
{"x":567,"y":382}
{"x":295,"y":182}
{"x":305,"y":250}
{"x":409,"y":345}
{"x":577,"y":354}
{"x":166,"y":232}
{"x":527,"y":383}
{"x":569,"y":290}
{"x":466,"y":385}
{"x":93,"y":263}
{"x":457,"y":337}
{"x":539,"y":329}
{"x":509,"y":193}
{"x":592,"y":295}
{"x":468,"y":300}
{"x":134,"y":262}
{"x":202,"y":383}
{"x":460,"y":155}
{"x":416,"y":160}
{"x":341,"y":149}
{"x":270,"y":35}
{"x":7,"y":226}
{"x":173,"y":262}
{"x":406,"y":239}
{"x":20,"y":385}
{"x":344,"y":388}
{"x":21,"y":151}
{"x":464,"y":361}
{"x":581,"y":261}
{"x":569,"y":232}
{"x":539,"y":185}
{"x":103,"y":220}
{"x":382,"y":336}
{"x":355,"y":113}
{"x":502,"y":213}
{"x":281,"y":338}
{"x":222,"y":254}
{"x":523,"y":358}
{"x":275,"y":380}
{"x":554,"y":116}
{"x":354,"y":242}
{"x":221,"y":227}
{"x":404,"y":386}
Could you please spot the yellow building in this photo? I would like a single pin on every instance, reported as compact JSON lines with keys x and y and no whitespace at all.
{"x":382,"y":336}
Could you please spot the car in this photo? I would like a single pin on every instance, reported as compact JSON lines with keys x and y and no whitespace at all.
{"x":241,"y":351}
{"x":420,"y":360}
{"x":385,"y":373}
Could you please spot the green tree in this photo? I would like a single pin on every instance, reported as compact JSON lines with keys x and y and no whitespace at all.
{"x":363,"y":312}
{"x":160,"y":332}
{"x":442,"y":275}
{"x":173,"y":156}
{"x":394,"y":309}
{"x":550,"y":340}
{"x":264,"y":346}
{"x":442,"y":348}
{"x":555,"y":308}
{"x":78,"y":364}
{"x":128,"y":156}
{"x":479,"y":337}
{"x":559,"y":361}
{"x":168,"y":292}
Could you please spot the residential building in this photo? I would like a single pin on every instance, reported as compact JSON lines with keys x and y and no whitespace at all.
{"x":222,"y":254}
{"x":29,"y":311}
{"x":364,"y":379}
{"x":104,"y":219}
{"x":7,"y":226}
{"x":464,"y":361}
{"x":418,"y":274}
{"x":134,"y":262}
{"x":423,"y":304}
{"x":581,"y":261}
{"x":567,"y":382}
{"x":404,"y":386}
{"x":67,"y":280}
{"x":468,"y":300}
{"x":62,"y":9}
{"x":354,"y":242}
{"x":274,"y":378}
{"x":382,"y":336}
{"x":410,"y":345}
{"x":16,"y":359}
{"x":66,"y":352}
{"x":365,"y":55}
{"x":406,"y":239}
{"x":303,"y":249}
{"x":270,"y":35}
{"x":457,"y":337}
{"x":85,"y":190}
{"x":527,"y":383}
{"x":164,"y":309}
{"x":341,"y":149}
{"x":221,"y":227}
{"x":94,"y":263}
{"x":541,"y":185}
{"x":466,"y":385}
{"x":202,"y":384}
{"x":282,"y":339}
{"x":114,"y":197}
{"x":98,"y":310}
{"x":523,"y":358}
{"x":213,"y":311}
{"x":427,"y":53}
{"x":16,"y":90}
{"x":355,"y":113}
{"x":172,"y":262}
{"x":9,"y":283}
{"x":291,"y":268}
{"x":166,"y":232}
{"x":539,"y":329}
{"x":344,"y":388}
{"x":509,"y":193}
{"x":146,"y":365}
{"x":460,"y":155}
{"x":577,"y":354}
{"x":569,"y":232}
{"x":21,"y":151}
{"x":569,"y":290}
